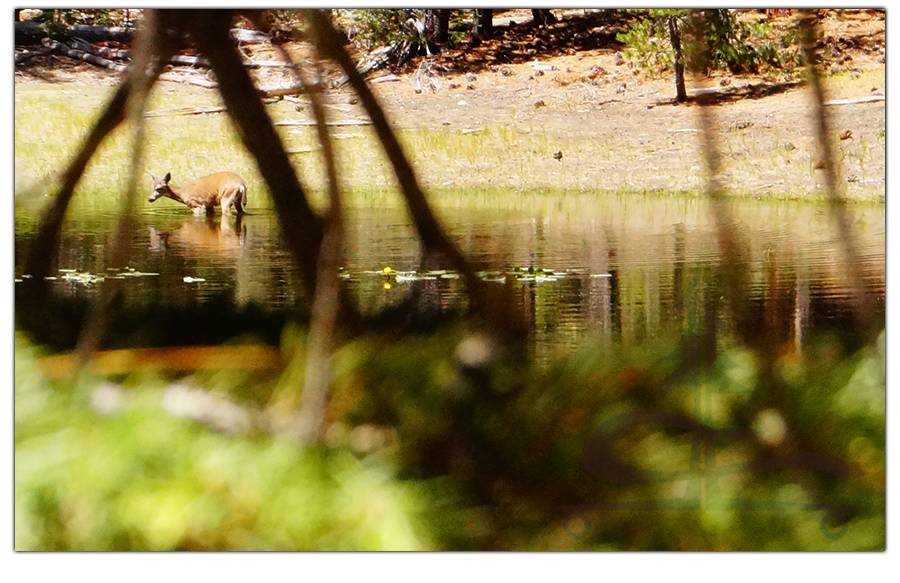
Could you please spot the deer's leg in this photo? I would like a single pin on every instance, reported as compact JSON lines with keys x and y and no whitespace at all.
{"x":227,"y":200}
{"x":237,"y":201}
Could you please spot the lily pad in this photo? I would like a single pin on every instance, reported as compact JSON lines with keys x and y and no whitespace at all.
{"x":86,"y":279}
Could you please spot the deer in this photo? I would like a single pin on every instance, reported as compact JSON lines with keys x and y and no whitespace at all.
{"x":204,"y":194}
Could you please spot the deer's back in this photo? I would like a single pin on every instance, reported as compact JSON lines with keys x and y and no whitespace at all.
{"x":214,"y":184}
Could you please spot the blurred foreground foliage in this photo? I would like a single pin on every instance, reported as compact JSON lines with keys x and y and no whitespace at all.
{"x":447,"y":441}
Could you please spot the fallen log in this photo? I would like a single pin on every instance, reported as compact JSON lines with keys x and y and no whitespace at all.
{"x":189,"y":61}
{"x":191,"y":79}
{"x":27,"y":55}
{"x":30,"y":32}
{"x":243,"y":35}
{"x":282,"y":91}
{"x":108,"y":53}
{"x":349,"y":122}
{"x":869,"y":99}
{"x":96,"y":33}
{"x":263,"y":64}
{"x":185,"y":111}
{"x":63,"y":49}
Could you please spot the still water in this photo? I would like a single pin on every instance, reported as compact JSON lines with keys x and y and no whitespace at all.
{"x":625,"y":269}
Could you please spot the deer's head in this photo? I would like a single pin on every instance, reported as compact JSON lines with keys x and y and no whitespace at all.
{"x":160,"y":187}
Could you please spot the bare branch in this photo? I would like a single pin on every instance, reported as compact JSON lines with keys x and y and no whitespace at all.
{"x":326,"y":303}
{"x":142,"y":75}
{"x":840,"y":213}
{"x":300,"y":226}
{"x":733,"y":255}
{"x":491,"y":302}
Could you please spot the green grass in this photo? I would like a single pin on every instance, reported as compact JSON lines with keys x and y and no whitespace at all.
{"x":51,"y":122}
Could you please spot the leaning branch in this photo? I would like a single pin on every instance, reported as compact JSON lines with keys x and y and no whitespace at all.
{"x":149,"y":44}
{"x":733,"y":263}
{"x":299,"y":224}
{"x":839,"y":211}
{"x":491,"y":303}
{"x":44,"y":248}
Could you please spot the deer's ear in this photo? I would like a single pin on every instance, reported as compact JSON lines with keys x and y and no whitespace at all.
{"x":168,"y":177}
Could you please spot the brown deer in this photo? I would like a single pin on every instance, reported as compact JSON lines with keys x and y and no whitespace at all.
{"x":222,"y":188}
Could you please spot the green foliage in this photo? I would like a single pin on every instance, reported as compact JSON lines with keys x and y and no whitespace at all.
{"x":647,"y":43}
{"x":425,"y":453}
{"x":739,"y":47}
{"x":56,"y":21}
{"x":288,"y":18}
{"x":374,"y":27}
{"x":70,"y":17}
{"x":128,"y":475}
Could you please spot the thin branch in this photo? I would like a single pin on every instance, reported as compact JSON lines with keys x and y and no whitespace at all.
{"x":733,"y":256}
{"x":43,"y":250}
{"x":325,"y":305}
{"x":148,"y":44}
{"x":494,"y":304}
{"x":349,"y":122}
{"x":329,"y":287}
{"x":840,"y":213}
{"x":300,"y":226}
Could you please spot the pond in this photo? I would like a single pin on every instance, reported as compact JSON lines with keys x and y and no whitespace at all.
{"x":624,"y":269}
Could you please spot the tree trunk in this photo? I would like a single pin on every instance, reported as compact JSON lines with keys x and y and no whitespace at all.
{"x":437,"y":26}
{"x":484,"y":23}
{"x":675,"y":38}
{"x":543,"y":16}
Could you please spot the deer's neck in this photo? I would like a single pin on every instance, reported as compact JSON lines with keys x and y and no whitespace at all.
{"x":175,"y":194}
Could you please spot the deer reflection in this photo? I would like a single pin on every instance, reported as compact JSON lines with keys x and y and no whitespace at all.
{"x":204,"y":234}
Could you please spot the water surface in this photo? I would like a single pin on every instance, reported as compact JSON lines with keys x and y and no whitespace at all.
{"x":626,"y":268}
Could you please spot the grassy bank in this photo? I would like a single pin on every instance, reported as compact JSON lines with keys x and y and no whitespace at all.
{"x":51,"y":120}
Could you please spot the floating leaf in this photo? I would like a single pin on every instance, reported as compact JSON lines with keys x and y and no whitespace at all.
{"x":86,"y":279}
{"x":406,"y":276}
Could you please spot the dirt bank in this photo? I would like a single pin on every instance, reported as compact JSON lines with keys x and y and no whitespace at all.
{"x":577,"y":117}
{"x":617,"y":130}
